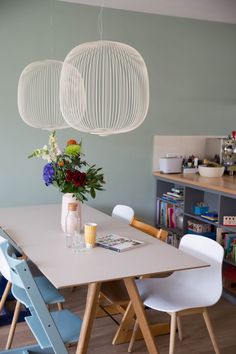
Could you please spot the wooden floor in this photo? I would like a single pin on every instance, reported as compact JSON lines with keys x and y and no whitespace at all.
{"x":196,"y":340}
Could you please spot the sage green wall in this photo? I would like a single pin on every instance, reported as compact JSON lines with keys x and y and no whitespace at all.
{"x":192,"y":68}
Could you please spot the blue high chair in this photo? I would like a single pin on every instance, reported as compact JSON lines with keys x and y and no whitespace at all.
{"x":50,"y":294}
{"x":35,"y":292}
{"x":52,"y":330}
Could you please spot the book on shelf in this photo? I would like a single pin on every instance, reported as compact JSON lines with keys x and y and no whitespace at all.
{"x":175,"y":195}
{"x":163,"y":213}
{"x":171,"y":218}
{"x":118,"y":243}
{"x":228,"y":241}
{"x":167,"y":198}
{"x":178,"y":190}
{"x":219,"y":235}
{"x":229,"y":245}
{"x":173,"y":239}
{"x":167,"y":214}
{"x":158,"y":212}
{"x":211,"y":215}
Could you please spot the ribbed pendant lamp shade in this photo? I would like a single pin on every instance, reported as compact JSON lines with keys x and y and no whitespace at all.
{"x":113,"y":96}
{"x":38,"y":95}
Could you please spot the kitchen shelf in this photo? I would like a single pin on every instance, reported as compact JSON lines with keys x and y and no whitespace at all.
{"x":218,"y":193}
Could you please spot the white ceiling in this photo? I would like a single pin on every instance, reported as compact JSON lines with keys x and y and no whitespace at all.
{"x":211,"y":10}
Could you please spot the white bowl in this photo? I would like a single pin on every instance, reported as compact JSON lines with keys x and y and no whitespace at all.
{"x":211,"y":171}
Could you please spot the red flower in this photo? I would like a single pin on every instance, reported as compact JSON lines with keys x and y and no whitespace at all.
{"x":76,"y":177}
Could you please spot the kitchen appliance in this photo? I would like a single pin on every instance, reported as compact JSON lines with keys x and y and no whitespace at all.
{"x":171,"y":164}
{"x":213,"y":148}
{"x":229,"y":155}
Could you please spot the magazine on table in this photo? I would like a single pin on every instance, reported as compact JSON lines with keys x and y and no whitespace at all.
{"x":117,"y":243}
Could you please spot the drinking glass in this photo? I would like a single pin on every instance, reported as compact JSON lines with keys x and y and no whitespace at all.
{"x":78,"y":243}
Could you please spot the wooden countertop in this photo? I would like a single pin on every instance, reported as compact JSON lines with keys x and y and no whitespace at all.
{"x":225,"y":184}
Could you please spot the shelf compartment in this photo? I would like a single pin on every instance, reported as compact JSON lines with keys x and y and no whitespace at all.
{"x":193,"y":196}
{"x":164,"y":186}
{"x":227,"y":208}
{"x":196,"y":217}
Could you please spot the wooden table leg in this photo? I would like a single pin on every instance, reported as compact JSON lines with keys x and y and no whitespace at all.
{"x":141,"y":316}
{"x":89,"y":315}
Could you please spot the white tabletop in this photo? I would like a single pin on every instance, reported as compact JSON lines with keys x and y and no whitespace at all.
{"x":37,"y":230}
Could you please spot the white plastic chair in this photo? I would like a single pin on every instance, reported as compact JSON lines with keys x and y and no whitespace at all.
{"x":123,"y":212}
{"x":189,"y":291}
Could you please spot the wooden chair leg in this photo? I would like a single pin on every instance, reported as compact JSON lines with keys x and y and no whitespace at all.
{"x":4,"y":295}
{"x":126,"y":322}
{"x":172,"y":333}
{"x":13,"y":325}
{"x":210,"y":330}
{"x":132,"y":339}
{"x":60,"y":306}
{"x":179,"y":326}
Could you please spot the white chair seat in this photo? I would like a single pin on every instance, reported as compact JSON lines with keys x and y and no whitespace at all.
{"x":158,"y":294}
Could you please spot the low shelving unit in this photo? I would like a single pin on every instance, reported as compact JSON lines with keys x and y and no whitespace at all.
{"x":220,"y":196}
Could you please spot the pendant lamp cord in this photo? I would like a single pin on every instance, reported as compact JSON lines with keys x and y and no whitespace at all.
{"x":100,"y":21}
{"x":51,"y":26}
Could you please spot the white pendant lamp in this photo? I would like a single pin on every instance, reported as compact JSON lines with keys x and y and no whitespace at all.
{"x":111,"y":95}
{"x":38,"y":95}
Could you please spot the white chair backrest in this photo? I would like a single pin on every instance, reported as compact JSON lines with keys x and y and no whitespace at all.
{"x":203,"y":248}
{"x":123,"y":212}
{"x":205,"y":281}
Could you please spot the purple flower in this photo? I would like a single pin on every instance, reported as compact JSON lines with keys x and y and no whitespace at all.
{"x":48,"y":173}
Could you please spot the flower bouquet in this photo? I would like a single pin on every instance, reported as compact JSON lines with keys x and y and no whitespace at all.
{"x":68,"y":170}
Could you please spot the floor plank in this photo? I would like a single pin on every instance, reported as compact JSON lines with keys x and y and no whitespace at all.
{"x":195,"y":337}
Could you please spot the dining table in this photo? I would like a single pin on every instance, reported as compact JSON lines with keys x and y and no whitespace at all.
{"x":36,"y":229}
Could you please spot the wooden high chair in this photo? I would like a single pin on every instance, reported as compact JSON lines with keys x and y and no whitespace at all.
{"x":114,"y":298}
{"x":148,"y":229}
